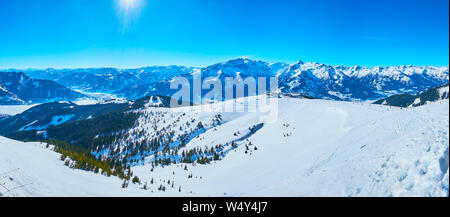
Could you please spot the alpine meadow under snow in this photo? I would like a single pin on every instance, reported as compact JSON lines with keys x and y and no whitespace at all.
{"x":314,"y":148}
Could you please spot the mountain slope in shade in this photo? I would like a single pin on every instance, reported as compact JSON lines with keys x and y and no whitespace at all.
{"x":312,"y":79}
{"x":422,"y":98}
{"x":8,"y":98}
{"x":18,"y":88}
{"x":46,"y":115}
{"x":67,"y":121}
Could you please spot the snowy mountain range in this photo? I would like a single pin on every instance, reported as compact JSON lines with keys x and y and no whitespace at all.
{"x":311,"y":79}
{"x":18,"y":88}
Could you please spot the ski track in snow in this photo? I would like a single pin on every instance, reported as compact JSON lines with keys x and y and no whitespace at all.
{"x":315,"y":148}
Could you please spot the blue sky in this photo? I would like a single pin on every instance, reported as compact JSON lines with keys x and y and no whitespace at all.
{"x":86,"y":33}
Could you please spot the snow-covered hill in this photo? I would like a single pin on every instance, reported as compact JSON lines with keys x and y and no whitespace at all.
{"x":312,"y":79}
{"x":32,"y":169}
{"x":314,"y":148}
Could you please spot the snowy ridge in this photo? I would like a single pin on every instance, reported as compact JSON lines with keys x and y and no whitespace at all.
{"x":359,"y":83}
{"x":309,"y":78}
{"x":18,"y":89}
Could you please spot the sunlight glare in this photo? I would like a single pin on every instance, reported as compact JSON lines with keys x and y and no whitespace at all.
{"x":128,"y":12}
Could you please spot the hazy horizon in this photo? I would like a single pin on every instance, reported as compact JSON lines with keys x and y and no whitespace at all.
{"x":204,"y":66}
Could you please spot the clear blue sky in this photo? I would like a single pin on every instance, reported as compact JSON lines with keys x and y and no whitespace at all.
{"x":95,"y":33}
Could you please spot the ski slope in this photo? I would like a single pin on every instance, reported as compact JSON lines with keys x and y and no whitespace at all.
{"x":314,"y":148}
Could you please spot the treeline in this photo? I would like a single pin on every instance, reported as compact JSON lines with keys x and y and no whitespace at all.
{"x":79,"y":158}
{"x":83,"y":133}
{"x":169,"y":147}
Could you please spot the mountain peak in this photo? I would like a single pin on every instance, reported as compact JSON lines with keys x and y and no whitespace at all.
{"x":299,"y":62}
{"x":239,"y":60}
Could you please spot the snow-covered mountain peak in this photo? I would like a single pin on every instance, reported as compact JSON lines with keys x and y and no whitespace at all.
{"x":243,"y":66}
{"x":299,"y":62}
{"x":308,"y":78}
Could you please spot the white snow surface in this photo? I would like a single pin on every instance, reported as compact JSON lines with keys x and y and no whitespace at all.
{"x":315,"y":148}
{"x":14,"y":109}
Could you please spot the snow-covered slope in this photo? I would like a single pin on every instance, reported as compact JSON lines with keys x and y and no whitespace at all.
{"x":314,"y":148}
{"x":31,"y":169}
